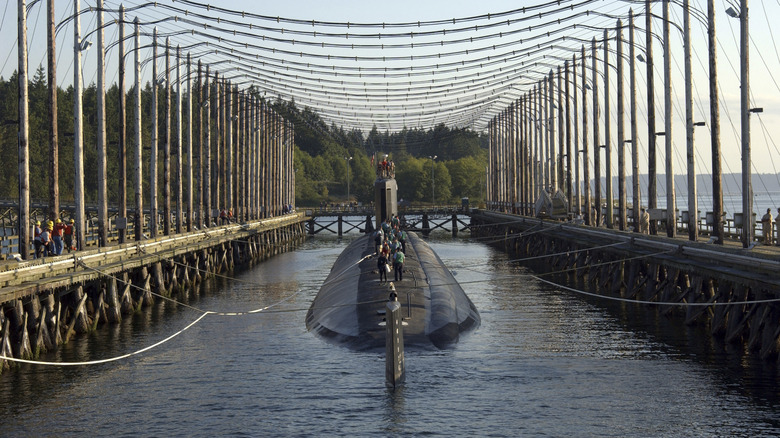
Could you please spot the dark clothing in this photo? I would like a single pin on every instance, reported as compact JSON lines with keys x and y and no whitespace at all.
{"x":381,"y":264}
{"x":398,"y":265}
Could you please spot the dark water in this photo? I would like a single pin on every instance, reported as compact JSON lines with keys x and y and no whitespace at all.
{"x":544,"y":362}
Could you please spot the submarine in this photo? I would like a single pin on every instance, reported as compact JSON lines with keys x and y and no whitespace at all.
{"x":349,"y":308}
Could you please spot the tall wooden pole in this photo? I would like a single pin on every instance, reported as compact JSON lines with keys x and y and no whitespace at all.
{"x":671,"y":214}
{"x":621,"y":140}
{"x":576,"y":150}
{"x":219,"y":201}
{"x":717,"y":173}
{"x":207,"y":199}
{"x":167,"y":149}
{"x":24,"y":136}
{"x":585,"y":152}
{"x":551,"y":124}
{"x":652,"y":185}
{"x":138,"y":165}
{"x":744,"y":72}
{"x":101,"y":136}
{"x":190,"y":195}
{"x":179,"y":145}
{"x":78,"y":131}
{"x":693,"y":208}
{"x":610,"y":217}
{"x":566,"y":108}
{"x":122,"y":128}
{"x":153,"y":213}
{"x":54,"y":181}
{"x":596,"y":136}
{"x":634,"y":134}
{"x":199,"y":173}
{"x":229,"y":147}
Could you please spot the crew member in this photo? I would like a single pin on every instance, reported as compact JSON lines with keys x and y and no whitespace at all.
{"x":56,"y":236}
{"x":381,"y":265}
{"x":766,"y":226}
{"x":68,"y":235}
{"x":398,"y":265}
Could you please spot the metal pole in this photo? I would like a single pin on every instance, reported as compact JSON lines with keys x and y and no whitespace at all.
{"x":78,"y":131}
{"x":24,"y":135}
{"x":717,"y":187}
{"x":138,"y":167}
{"x":747,"y":188}
{"x":101,"y":136}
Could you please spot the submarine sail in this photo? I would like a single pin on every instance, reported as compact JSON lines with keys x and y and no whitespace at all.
{"x":349,"y":307}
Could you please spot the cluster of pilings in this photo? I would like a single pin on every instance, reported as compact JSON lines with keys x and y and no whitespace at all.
{"x":653,"y":269}
{"x":40,"y":321}
{"x":240,"y":161}
{"x":542,"y":141}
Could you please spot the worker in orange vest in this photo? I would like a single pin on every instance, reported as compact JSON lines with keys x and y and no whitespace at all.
{"x":68,"y":235}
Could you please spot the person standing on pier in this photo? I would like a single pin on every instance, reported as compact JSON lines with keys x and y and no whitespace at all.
{"x":56,"y":237}
{"x":46,"y":239}
{"x":644,"y":222}
{"x":777,"y":225}
{"x":68,"y":235}
{"x":766,"y":226}
{"x":37,"y":239}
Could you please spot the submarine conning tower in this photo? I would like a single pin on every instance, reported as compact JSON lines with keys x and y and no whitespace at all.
{"x":385,"y":192}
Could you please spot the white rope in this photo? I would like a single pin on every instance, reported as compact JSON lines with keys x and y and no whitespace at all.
{"x":112,"y":359}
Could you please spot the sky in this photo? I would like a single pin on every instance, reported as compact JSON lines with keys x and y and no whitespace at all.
{"x":450,"y":98}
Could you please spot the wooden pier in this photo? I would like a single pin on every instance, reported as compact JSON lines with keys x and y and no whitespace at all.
{"x":733,"y":291}
{"x":46,"y":301}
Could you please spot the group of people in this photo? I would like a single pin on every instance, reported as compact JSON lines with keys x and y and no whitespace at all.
{"x":385,"y":169}
{"x":51,"y":238}
{"x":766,"y":226}
{"x":390,"y":241}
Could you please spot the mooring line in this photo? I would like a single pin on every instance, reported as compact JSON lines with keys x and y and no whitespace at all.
{"x":111,"y":359}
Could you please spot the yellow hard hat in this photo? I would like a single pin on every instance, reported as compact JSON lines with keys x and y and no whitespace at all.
{"x":50,"y":223}
{"x":37,"y":222}
{"x":58,"y":220}
{"x":72,"y":221}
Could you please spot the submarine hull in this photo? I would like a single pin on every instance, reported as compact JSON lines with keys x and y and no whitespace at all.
{"x":349,"y":308}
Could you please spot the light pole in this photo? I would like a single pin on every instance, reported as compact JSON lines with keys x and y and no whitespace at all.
{"x":348,"y":160}
{"x":433,"y":179}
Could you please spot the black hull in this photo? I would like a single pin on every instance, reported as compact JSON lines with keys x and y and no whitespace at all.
{"x":349,"y":307}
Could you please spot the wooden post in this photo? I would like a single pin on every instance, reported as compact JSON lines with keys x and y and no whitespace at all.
{"x":596,"y":138}
{"x":122,"y":128}
{"x":138,"y":166}
{"x":78,"y":132}
{"x":101,"y":136}
{"x":207,"y":199}
{"x":671,"y":216}
{"x":190,"y":195}
{"x":717,"y":186}
{"x":54,"y":182}
{"x":153,"y":214}
{"x":199,"y":174}
{"x":621,"y":142}
{"x":652,"y":191}
{"x":634,"y":134}
{"x":585,"y":152}
{"x":576,"y":151}
{"x":24,"y":135}
{"x":607,"y":137}
{"x":551,"y":126}
{"x":229,"y":147}
{"x":179,"y":145}
{"x":693,"y":208}
{"x":218,"y":202}
{"x":747,"y":187}
{"x":167,"y":150}
{"x":567,"y":108}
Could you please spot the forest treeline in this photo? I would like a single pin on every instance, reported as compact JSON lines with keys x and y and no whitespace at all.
{"x":320,"y":150}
